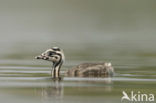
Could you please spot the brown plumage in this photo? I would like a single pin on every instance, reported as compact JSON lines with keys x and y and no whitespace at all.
{"x":91,"y":70}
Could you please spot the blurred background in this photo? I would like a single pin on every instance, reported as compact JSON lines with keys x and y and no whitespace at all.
{"x":119,"y":31}
{"x":102,"y":27}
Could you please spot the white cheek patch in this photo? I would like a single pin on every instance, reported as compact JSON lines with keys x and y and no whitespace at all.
{"x":54,"y":58}
{"x":51,"y":59}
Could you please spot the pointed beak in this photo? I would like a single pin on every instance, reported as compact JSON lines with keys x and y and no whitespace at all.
{"x":42,"y":57}
{"x":39,"y":57}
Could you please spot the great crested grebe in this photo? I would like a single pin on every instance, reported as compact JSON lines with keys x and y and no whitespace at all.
{"x":56,"y":56}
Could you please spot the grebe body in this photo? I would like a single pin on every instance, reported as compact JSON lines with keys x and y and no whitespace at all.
{"x":91,"y":70}
{"x":56,"y":56}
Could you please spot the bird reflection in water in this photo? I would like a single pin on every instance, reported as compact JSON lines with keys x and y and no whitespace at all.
{"x":53,"y":92}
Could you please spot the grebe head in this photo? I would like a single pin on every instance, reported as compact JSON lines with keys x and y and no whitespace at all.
{"x":56,"y":56}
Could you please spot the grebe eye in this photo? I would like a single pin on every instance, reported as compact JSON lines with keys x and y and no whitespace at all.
{"x":51,"y":53}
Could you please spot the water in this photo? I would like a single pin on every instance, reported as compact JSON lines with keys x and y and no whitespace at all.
{"x":29,"y":81}
{"x":121,"y":32}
